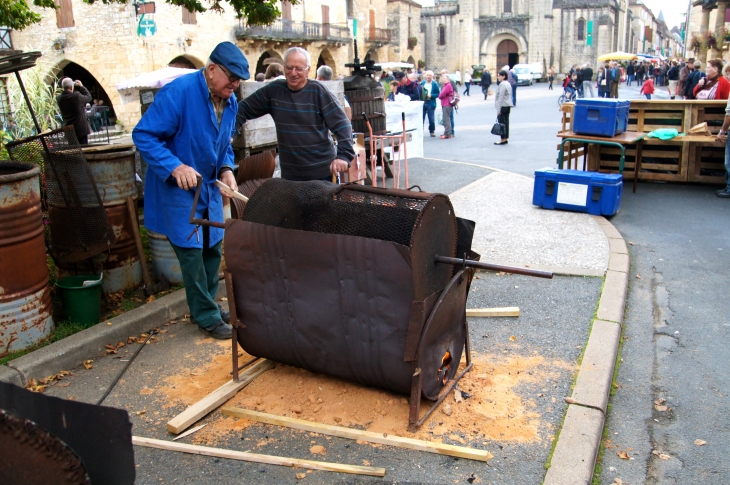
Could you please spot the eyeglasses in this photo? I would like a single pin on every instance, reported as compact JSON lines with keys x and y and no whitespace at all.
{"x":295,"y":68}
{"x":231,"y":78}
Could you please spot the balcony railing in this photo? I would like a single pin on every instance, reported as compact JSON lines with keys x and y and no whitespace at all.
{"x":291,"y":30}
{"x":379,"y":35}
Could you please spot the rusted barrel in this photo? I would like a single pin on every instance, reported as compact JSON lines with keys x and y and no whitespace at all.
{"x":113,"y":167}
{"x":25,"y":299}
{"x":164,"y":260}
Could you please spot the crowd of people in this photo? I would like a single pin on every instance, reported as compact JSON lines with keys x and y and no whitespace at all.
{"x":682,"y":79}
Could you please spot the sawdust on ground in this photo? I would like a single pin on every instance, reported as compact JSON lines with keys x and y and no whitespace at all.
{"x":495,"y":410}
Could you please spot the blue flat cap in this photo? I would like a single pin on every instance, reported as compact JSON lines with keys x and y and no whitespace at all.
{"x":231,"y":57}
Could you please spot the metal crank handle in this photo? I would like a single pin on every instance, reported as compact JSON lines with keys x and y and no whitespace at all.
{"x":201,"y":222}
{"x":495,"y":267}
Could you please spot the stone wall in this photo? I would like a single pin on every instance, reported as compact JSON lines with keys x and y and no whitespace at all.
{"x":401,"y":15}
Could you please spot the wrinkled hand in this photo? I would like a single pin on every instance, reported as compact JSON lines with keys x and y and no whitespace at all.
{"x":185,"y":176}
{"x":338,"y":165}
{"x":228,"y":179}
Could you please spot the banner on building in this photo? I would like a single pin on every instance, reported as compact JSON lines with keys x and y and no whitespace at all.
{"x":589,"y":36}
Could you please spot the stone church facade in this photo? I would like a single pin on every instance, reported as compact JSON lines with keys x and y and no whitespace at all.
{"x":560,"y":33}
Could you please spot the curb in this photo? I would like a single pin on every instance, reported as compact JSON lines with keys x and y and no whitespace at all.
{"x":575,"y":454}
{"x":73,"y":350}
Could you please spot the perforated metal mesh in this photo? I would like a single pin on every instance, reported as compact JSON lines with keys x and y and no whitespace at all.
{"x":326,"y":208}
{"x":75,"y":221}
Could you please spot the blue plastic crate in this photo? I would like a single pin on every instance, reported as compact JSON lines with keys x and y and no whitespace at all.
{"x":601,"y":117}
{"x":596,"y":193}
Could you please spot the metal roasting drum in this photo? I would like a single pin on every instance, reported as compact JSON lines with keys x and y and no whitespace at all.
{"x":341,"y":280}
{"x":356,"y":282}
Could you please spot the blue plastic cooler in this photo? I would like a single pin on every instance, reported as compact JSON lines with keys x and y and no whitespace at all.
{"x":596,"y":193}
{"x":600,"y":117}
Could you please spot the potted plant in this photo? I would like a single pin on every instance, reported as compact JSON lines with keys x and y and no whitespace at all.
{"x":724,"y":34}
{"x":711,"y":40}
{"x":695,"y":43}
{"x":412,"y":42}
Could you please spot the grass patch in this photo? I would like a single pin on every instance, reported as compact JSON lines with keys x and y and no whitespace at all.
{"x":63,"y":330}
{"x":601,"y":451}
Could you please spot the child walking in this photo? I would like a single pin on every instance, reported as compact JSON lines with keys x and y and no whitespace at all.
{"x":647,"y":89}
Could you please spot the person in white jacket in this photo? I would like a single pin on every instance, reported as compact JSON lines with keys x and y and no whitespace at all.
{"x":467,"y":83}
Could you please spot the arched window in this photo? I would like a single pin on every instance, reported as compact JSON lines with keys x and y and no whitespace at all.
{"x":442,"y":35}
{"x":507,"y":6}
{"x":581,"y":29}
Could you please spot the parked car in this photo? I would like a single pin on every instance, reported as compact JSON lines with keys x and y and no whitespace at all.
{"x":527,"y":74}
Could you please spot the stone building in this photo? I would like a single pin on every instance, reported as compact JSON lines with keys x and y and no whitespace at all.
{"x":707,"y":16}
{"x":102,"y":45}
{"x":404,"y":23}
{"x":461,"y":33}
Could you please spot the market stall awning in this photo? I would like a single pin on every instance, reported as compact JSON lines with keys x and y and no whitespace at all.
{"x":617,"y":56}
{"x":129,"y":89}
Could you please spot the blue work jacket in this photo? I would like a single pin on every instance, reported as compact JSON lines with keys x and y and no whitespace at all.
{"x":180,"y":127}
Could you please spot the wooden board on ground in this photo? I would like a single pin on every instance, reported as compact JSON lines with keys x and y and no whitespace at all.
{"x":511,"y":311}
{"x":356,"y":434}
{"x":200,"y":409}
{"x":256,"y":458}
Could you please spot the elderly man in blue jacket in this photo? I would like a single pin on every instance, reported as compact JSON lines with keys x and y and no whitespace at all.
{"x":184,"y":135}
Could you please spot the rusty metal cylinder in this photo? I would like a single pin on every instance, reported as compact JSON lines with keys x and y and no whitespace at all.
{"x":113,"y":168}
{"x":25,"y":299}
{"x":164,"y":260}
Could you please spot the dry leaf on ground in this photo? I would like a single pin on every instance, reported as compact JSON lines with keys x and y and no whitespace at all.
{"x":512,"y":338}
{"x":300,"y":476}
{"x":660,"y":408}
{"x":623,"y":455}
{"x":87,"y":364}
{"x":457,"y":396}
{"x":618,"y":481}
{"x":700,"y":442}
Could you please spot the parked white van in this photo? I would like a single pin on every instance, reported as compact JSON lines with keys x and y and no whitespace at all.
{"x":528,"y":73}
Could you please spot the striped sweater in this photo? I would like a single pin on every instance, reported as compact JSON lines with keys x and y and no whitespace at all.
{"x":304,"y":120}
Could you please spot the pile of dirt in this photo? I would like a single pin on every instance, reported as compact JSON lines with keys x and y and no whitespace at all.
{"x":490,"y":409}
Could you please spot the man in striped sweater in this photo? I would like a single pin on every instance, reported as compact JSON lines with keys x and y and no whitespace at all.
{"x":304,"y":113}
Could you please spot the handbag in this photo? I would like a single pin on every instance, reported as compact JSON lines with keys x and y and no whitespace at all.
{"x":498,"y":128}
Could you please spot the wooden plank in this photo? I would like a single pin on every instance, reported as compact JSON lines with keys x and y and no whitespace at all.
{"x":512,"y":311}
{"x":257,"y":458}
{"x":200,"y":409}
{"x":356,"y":434}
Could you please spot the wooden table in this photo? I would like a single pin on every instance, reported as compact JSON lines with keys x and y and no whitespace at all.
{"x":620,"y":141}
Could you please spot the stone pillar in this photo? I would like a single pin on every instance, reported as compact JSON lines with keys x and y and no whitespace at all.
{"x":719,"y":24}
{"x":704,"y":26}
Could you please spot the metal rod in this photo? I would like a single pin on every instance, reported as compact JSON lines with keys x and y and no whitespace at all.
{"x":249,"y":363}
{"x":129,"y":362}
{"x":202,"y":222}
{"x":497,"y":267}
{"x":234,"y":321}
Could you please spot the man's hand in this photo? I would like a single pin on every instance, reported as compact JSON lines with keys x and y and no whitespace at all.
{"x":185,"y":176}
{"x":722,"y":138}
{"x":338,"y":165}
{"x":228,"y":179}
{"x":77,"y":83}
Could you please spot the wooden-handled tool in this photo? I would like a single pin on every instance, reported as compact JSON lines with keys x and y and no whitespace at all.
{"x":226,"y":190}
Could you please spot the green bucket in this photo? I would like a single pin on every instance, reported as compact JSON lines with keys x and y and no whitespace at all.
{"x":82,"y":302}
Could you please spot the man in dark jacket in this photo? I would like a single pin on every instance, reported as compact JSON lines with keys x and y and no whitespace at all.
{"x":408,"y":87}
{"x":694,"y":78}
{"x":673,"y":77}
{"x":486,"y":82}
{"x":630,"y":72}
{"x":72,"y":103}
{"x":587,"y":77}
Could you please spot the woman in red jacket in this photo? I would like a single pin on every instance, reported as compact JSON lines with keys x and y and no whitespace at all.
{"x":714,"y":86}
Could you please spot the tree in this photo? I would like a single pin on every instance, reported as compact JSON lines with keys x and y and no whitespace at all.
{"x":17,"y":15}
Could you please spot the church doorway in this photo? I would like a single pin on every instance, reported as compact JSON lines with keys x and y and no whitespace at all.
{"x":507,"y":54}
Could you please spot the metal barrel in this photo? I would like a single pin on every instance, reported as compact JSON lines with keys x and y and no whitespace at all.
{"x":113,"y":168}
{"x":164,"y":260}
{"x":25,"y":299}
